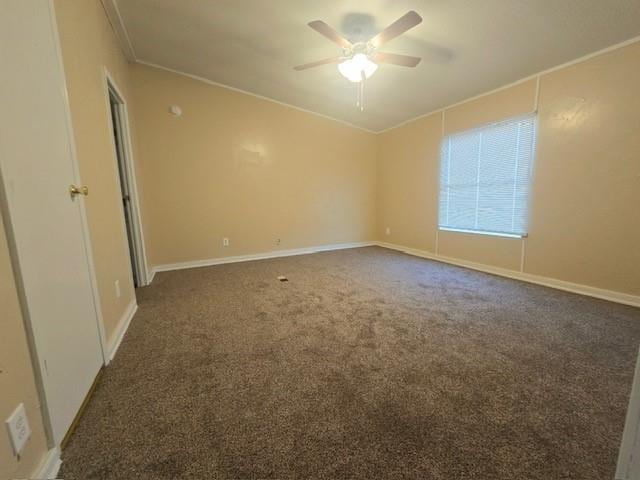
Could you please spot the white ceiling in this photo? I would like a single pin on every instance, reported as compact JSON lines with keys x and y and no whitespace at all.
{"x":468,"y":46}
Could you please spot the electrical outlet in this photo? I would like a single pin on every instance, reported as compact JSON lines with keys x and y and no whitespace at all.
{"x":118,"y":292}
{"x":18,"y":429}
{"x":225,"y":242}
{"x":388,"y":231}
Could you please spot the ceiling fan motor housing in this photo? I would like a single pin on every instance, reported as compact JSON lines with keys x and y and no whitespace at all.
{"x":360,"y":60}
{"x":360,"y":47}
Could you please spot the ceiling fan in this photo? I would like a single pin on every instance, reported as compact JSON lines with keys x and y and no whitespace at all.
{"x":360,"y":60}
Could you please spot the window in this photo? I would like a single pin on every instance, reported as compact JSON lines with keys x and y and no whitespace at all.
{"x":484,"y":178}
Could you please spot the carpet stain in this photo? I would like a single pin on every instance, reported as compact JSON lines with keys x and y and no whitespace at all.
{"x":368,"y":363}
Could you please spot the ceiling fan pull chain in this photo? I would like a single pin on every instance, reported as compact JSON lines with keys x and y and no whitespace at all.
{"x":364,"y":77}
{"x":364,"y":57}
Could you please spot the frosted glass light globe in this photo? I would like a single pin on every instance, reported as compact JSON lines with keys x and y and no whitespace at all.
{"x":352,"y":68}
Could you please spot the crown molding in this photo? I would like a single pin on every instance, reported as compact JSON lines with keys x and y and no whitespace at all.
{"x":535,"y":76}
{"x":245,"y":92}
{"x":119,"y":28}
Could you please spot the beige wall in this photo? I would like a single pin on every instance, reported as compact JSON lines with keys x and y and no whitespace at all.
{"x":17,"y":382}
{"x":252,"y":170}
{"x":584,"y":224}
{"x":589,"y":140}
{"x":506,"y":103}
{"x":88,"y":46}
{"x":408,"y":178}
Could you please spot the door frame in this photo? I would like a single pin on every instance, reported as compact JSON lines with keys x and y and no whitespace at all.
{"x":140,"y":266}
{"x":627,"y":464}
{"x":37,"y":361}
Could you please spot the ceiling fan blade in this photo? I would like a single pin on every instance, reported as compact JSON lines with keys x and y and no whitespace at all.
{"x":324,"y":29}
{"x":395,"y":59}
{"x":404,"y":23}
{"x":318,"y":63}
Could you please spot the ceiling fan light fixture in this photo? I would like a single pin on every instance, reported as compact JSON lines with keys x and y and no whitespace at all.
{"x":353,"y":67}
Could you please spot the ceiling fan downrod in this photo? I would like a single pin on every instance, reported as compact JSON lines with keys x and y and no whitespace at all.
{"x":364,"y":57}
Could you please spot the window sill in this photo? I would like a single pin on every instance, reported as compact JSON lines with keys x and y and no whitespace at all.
{"x":481,"y":232}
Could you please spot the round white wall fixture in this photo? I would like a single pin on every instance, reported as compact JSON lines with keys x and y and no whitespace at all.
{"x":175,"y":110}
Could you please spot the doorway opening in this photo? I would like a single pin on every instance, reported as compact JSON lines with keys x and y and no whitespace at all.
{"x":126,"y":176}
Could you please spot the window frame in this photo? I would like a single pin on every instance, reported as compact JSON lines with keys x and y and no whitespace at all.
{"x":447,"y":138}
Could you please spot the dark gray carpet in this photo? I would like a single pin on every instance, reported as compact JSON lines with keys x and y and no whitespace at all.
{"x":367,"y":363}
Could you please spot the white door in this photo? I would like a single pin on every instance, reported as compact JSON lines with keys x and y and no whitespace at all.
{"x":46,"y":224}
{"x":629,"y":457}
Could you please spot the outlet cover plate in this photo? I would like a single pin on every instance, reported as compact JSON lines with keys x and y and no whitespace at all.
{"x":18,"y":429}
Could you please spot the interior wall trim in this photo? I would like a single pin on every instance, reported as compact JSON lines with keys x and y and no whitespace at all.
{"x":141,"y":265}
{"x":121,"y":329}
{"x":50,"y":465}
{"x":258,"y":256}
{"x":617,"y":297}
{"x":535,"y":76}
{"x":151,"y":274}
{"x":119,"y":28}
{"x":245,"y":92}
{"x":117,"y":23}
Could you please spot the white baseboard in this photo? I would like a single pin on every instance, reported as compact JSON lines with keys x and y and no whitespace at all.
{"x":123,"y":325}
{"x":256,"y":256}
{"x":601,"y":293}
{"x":50,"y":465}
{"x":151,"y":274}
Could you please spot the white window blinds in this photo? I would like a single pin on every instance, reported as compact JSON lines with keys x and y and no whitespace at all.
{"x":484,"y":178}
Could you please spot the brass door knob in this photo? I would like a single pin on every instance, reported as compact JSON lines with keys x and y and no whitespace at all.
{"x":74,"y":190}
